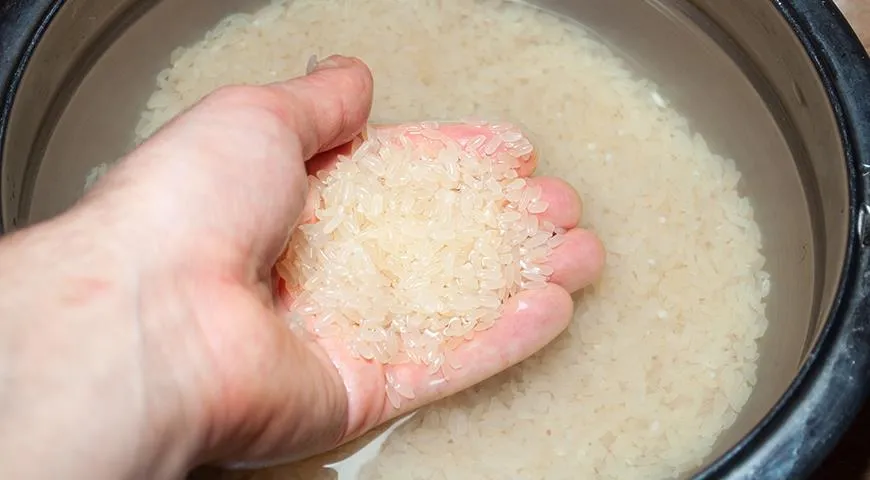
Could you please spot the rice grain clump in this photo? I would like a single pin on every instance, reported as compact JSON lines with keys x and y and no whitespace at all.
{"x":438,"y":228}
{"x":661,"y":354}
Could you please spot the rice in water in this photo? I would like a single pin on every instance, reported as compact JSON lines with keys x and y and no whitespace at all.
{"x":662,"y":352}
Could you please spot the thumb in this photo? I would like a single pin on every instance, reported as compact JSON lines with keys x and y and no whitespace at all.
{"x":231,"y":167}
{"x":322,"y":119}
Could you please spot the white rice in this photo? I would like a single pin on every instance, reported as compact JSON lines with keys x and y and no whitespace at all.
{"x":440,"y":231}
{"x":661,"y":355}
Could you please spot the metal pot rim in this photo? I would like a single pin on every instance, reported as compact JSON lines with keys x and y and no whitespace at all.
{"x":830,"y":388}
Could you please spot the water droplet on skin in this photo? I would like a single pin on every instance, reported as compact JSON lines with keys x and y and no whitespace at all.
{"x":435,"y":382}
{"x":522,"y":306}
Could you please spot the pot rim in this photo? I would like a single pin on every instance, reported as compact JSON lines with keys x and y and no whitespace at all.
{"x":831,"y":386}
{"x":833,"y":383}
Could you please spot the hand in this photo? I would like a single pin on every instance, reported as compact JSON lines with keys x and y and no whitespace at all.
{"x":531,"y":319}
{"x":174,"y":290}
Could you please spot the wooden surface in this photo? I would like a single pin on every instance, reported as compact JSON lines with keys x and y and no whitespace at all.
{"x":851,"y":458}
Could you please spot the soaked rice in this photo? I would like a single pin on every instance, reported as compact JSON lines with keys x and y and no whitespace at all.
{"x":662,"y":352}
{"x":439,"y":229}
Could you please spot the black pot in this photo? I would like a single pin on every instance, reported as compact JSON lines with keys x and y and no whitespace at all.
{"x":783,"y":85}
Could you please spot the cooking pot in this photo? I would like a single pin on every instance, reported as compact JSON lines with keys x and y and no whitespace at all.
{"x":780,"y":86}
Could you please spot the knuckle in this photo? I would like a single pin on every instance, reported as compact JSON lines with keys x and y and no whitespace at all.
{"x":266,"y":103}
{"x":233,"y":94}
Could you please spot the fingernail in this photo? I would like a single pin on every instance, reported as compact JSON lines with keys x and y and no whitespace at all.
{"x":314,"y":65}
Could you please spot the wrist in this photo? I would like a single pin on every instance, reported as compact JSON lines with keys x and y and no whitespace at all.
{"x":83,"y":365}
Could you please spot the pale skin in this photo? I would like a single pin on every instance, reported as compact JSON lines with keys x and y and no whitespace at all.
{"x":139,"y":332}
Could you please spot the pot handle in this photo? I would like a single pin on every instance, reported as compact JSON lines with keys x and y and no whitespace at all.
{"x":834,"y":383}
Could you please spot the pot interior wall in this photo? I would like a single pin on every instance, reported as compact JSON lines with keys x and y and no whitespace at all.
{"x":734,"y":68}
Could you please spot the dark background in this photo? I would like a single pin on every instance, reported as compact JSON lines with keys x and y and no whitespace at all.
{"x":851,"y":458}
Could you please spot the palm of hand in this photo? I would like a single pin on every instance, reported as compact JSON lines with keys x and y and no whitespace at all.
{"x":531,"y":319}
{"x":238,"y":183}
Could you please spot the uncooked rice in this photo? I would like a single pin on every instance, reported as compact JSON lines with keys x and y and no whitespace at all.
{"x":661,"y":354}
{"x":439,"y":229}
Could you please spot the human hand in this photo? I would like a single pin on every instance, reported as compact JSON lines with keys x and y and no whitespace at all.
{"x":203,"y":210}
{"x":528,"y":320}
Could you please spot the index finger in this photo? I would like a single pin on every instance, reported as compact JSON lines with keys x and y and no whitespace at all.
{"x":329,"y":106}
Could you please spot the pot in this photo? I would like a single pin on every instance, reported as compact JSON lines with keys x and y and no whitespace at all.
{"x":783,"y":84}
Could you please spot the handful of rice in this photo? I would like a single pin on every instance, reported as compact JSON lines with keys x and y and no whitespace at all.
{"x":419,"y":238}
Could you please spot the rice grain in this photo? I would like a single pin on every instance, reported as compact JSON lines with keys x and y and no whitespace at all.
{"x":405,"y":253}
